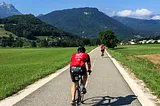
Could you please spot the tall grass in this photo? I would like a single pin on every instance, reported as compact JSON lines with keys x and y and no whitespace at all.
{"x":142,"y":67}
{"x":21,"y":67}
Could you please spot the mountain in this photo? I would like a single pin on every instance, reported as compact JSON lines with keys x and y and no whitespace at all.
{"x":144,"y":27}
{"x":30,"y":27}
{"x":8,"y":10}
{"x":40,"y":15}
{"x":86,"y":22}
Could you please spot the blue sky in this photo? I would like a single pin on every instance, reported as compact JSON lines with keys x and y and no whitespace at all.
{"x":140,"y":8}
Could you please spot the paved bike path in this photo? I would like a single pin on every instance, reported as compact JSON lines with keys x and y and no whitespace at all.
{"x":106,"y":87}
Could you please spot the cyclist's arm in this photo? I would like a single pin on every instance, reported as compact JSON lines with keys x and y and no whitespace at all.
{"x":89,"y":66}
{"x":89,"y":63}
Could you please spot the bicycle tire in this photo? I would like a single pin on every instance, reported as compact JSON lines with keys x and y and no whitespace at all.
{"x":77,"y":97}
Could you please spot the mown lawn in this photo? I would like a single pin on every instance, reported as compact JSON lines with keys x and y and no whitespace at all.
{"x":21,"y":67}
{"x":132,"y":56}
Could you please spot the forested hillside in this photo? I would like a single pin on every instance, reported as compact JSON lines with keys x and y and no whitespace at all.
{"x":87,"y":22}
{"x":32,"y":32}
{"x":29,"y":27}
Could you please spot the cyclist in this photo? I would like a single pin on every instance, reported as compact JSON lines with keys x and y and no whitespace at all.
{"x":102,"y":50}
{"x":77,"y":66}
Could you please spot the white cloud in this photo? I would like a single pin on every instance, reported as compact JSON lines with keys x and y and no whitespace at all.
{"x":142,"y":12}
{"x":124,"y":13}
{"x":138,"y":13}
{"x":157,"y":17}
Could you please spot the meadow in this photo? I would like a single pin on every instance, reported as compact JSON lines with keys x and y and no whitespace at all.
{"x":143,"y":61}
{"x":22,"y":67}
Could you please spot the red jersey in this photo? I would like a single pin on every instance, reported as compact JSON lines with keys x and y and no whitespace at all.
{"x":79,"y":59}
{"x":102,"y":47}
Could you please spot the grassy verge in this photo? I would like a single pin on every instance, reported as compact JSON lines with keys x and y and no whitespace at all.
{"x":21,"y":67}
{"x":143,"y":68}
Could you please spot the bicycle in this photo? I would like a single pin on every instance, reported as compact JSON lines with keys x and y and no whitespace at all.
{"x":78,"y":94}
{"x":102,"y":53}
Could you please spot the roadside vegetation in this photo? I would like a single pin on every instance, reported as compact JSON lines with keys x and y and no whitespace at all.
{"x":108,"y":38}
{"x":143,"y":61}
{"x":22,"y":67}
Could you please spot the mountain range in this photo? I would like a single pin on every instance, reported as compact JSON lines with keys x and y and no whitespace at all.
{"x":88,"y":22}
{"x":8,"y":10}
{"x":143,"y":27}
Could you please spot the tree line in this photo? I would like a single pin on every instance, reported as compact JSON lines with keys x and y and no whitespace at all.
{"x":46,"y":42}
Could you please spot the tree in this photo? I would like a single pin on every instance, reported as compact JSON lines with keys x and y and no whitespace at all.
{"x":18,"y":43}
{"x":43,"y":43}
{"x":33,"y":44}
{"x":108,"y":38}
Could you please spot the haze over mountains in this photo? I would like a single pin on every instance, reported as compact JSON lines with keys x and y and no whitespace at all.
{"x":8,"y":10}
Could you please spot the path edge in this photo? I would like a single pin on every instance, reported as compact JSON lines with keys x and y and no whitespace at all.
{"x":143,"y":99}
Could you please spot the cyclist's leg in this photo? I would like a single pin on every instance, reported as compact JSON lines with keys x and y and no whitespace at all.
{"x":85,"y":76}
{"x":74,"y":82}
{"x":84,"y":79}
{"x":102,"y":52}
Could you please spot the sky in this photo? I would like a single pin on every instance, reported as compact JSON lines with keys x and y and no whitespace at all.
{"x":129,"y":8}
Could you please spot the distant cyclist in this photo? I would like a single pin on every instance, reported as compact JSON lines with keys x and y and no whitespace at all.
{"x":77,"y":66}
{"x":102,"y":50}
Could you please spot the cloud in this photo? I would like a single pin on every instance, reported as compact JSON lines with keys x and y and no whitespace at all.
{"x":142,"y":12}
{"x":137,"y":13}
{"x":125,"y":13}
{"x":157,"y":17}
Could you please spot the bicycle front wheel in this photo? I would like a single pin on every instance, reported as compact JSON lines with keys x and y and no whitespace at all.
{"x":77,"y":97}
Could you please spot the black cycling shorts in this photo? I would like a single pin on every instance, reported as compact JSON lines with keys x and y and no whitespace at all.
{"x":75,"y":71}
{"x":102,"y":50}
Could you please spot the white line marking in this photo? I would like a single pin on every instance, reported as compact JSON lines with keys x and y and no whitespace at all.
{"x":91,"y":68}
{"x":144,"y":100}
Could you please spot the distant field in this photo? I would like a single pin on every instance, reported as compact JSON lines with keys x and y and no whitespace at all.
{"x":143,"y":60}
{"x":21,"y":67}
{"x":41,"y":37}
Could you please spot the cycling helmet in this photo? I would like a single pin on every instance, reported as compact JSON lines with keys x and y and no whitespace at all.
{"x":81,"y":49}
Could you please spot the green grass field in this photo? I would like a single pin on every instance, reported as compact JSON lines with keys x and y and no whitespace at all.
{"x":21,"y":67}
{"x":132,"y":57}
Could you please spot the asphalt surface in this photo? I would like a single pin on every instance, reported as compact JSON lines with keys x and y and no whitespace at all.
{"x":105,"y":87}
